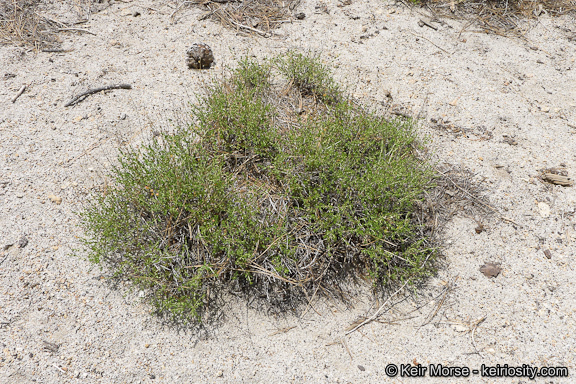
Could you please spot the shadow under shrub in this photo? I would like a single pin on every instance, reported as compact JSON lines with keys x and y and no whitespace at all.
{"x":265,"y":197}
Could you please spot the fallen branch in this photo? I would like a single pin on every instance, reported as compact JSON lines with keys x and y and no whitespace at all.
{"x":20,"y":92}
{"x":80,"y":97}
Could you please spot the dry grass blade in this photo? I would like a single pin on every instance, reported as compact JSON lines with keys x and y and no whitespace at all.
{"x":378,"y":312}
{"x":444,"y":294}
{"x":283,"y":330}
{"x":471,"y":327}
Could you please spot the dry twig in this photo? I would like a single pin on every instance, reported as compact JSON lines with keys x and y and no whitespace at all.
{"x":75,"y":30}
{"x":80,"y":97}
{"x":20,"y":92}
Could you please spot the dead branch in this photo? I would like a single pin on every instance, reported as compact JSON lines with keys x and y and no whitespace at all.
{"x":80,"y":97}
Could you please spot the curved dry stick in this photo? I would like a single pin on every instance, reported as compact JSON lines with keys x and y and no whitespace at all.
{"x":79,"y":98}
{"x":20,"y":92}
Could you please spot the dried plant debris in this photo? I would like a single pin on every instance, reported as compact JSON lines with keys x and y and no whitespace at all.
{"x":558,"y":176}
{"x":20,"y":24}
{"x":502,"y":17}
{"x":257,"y":16}
{"x":50,"y":347}
{"x":479,"y":133}
{"x":491,"y":269}
{"x":456,"y":192}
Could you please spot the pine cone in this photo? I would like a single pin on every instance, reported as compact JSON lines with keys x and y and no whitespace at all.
{"x":199,"y":56}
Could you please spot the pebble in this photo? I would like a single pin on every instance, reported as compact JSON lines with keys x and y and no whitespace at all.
{"x":545,"y":109}
{"x":544,"y":209}
{"x":123,"y":116}
{"x":220,"y":374}
{"x":22,"y":242}
{"x":55,"y":199}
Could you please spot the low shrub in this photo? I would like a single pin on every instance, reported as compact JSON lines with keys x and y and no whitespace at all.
{"x":281,"y":186}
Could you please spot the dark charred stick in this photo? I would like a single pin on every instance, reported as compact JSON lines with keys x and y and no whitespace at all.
{"x":80,"y":97}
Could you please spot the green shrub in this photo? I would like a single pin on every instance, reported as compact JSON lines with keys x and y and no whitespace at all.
{"x":260,"y":196}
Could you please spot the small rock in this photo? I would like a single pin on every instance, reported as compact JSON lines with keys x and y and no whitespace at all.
{"x":361,"y":368}
{"x":300,"y":16}
{"x":199,"y":56}
{"x":461,"y":328}
{"x":7,"y":246}
{"x":135,"y":13}
{"x":491,"y":269}
{"x":545,"y":109}
{"x":123,"y":116}
{"x":55,"y":199}
{"x":152,"y":376}
{"x":220,"y":374}
{"x":22,"y":242}
{"x":147,"y":346}
{"x":544,"y":209}
{"x":548,"y":254}
{"x":19,"y":195}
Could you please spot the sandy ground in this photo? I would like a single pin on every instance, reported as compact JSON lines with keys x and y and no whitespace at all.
{"x":501,"y":107}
